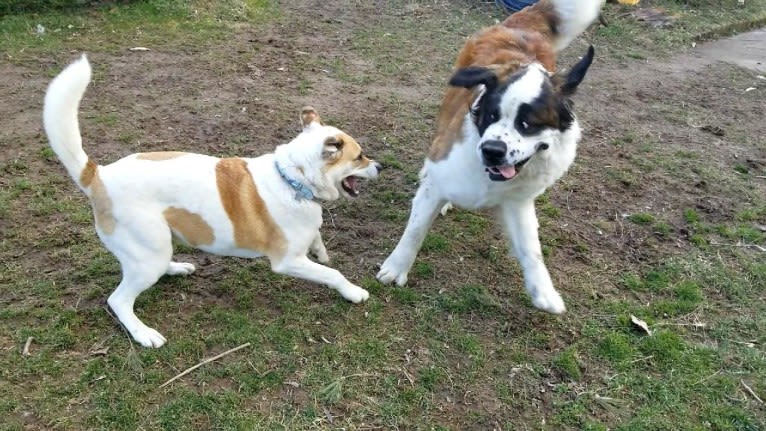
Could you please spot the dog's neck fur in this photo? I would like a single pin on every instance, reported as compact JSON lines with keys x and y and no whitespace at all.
{"x":297,"y":161}
{"x":301,"y":190}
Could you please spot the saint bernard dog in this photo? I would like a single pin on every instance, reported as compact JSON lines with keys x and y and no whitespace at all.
{"x":246,"y":207}
{"x":505,"y":132}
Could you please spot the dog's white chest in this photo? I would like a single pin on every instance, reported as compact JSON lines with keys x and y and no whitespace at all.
{"x":461,"y":177}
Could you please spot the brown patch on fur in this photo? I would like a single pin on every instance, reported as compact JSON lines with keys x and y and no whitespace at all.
{"x":522,"y":38}
{"x":254,"y":228}
{"x":159,"y":156}
{"x":309,"y":115}
{"x":101,"y":203}
{"x":99,"y":198}
{"x":88,"y":173}
{"x":449,"y":122}
{"x":192,"y":227}
{"x":348,"y":151}
{"x":546,"y":113}
{"x":540,"y":18}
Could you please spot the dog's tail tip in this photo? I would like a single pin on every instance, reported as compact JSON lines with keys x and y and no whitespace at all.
{"x":60,"y":110}
{"x":82,"y":65}
{"x":575,"y":18}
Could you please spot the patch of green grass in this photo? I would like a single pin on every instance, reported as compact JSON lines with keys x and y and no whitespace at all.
{"x":404,"y":295}
{"x":615,"y":347}
{"x":147,"y":23}
{"x":389,"y":160}
{"x":662,"y":228}
{"x":566,"y":363}
{"x":691,"y":215}
{"x":641,"y":218}
{"x":692,"y":22}
{"x":699,"y":240}
{"x":423,"y":270}
{"x":751,"y":214}
{"x":469,"y":299}
{"x":685,"y":298}
{"x":624,"y":177}
{"x":654,"y":279}
{"x":740,"y":168}
{"x":474,"y":223}
{"x":435,"y":243}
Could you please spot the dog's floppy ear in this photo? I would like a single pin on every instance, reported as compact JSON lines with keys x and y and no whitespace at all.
{"x":574,"y":77}
{"x":472,"y":76}
{"x":332,"y":148}
{"x":309,"y":117}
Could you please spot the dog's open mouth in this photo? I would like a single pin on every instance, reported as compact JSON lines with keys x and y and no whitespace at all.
{"x":351,"y":185}
{"x":507,"y":172}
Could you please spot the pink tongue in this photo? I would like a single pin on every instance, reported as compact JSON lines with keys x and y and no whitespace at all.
{"x":507,"y":171}
{"x":351,"y":182}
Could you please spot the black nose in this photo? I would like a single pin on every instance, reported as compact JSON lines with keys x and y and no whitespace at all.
{"x":493,"y":152}
{"x":378,"y":166}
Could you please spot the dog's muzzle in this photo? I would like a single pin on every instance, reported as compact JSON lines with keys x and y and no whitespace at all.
{"x":350,"y":184}
{"x":493,"y":154}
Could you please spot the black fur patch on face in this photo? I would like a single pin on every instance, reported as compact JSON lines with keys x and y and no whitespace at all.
{"x":486,"y":110}
{"x":549,"y":110}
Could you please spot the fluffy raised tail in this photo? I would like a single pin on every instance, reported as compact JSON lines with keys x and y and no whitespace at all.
{"x":575,"y":16}
{"x":62,"y":102}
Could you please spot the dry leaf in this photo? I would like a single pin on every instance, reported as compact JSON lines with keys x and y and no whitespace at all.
{"x":641,"y":324}
{"x":100,"y":352}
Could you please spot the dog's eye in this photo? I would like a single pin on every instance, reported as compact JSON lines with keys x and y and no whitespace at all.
{"x":524,"y":125}
{"x":493,"y":116}
{"x":359,"y":157}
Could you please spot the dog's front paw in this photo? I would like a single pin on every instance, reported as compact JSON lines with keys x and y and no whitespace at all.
{"x":322,"y":257}
{"x":390,"y":272}
{"x":148,"y":337}
{"x":448,"y":206}
{"x":354,"y":293}
{"x":548,"y":300}
{"x":180,"y":268}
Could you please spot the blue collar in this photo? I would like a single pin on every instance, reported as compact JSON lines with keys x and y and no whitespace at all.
{"x":301,"y":190}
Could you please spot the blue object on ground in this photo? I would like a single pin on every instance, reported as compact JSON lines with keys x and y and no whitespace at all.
{"x":514,"y":5}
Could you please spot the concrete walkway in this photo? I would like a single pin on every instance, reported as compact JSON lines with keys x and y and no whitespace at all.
{"x":746,"y":50}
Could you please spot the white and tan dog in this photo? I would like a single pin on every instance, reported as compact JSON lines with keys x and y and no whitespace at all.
{"x":505,"y":132}
{"x":246,"y":207}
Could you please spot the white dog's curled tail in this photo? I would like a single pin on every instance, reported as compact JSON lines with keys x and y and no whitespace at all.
{"x":62,"y":102}
{"x":574,"y":17}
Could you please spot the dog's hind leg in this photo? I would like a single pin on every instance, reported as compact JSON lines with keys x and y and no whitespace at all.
{"x":520,"y":222}
{"x":302,"y":267}
{"x":425,"y":207}
{"x":318,"y":249}
{"x":144,"y":258}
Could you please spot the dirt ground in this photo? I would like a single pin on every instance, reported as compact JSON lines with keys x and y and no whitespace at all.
{"x":648,"y":126}
{"x":169,"y":100}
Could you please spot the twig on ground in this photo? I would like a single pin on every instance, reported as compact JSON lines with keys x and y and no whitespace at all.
{"x":750,"y":391}
{"x":740,"y":244}
{"x":645,"y":358}
{"x":707,"y":378}
{"x":699,"y":325}
{"x":25,"y":350}
{"x":190,"y":369}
